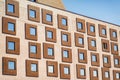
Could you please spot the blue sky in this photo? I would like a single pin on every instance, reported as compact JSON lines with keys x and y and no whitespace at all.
{"x":106,"y":10}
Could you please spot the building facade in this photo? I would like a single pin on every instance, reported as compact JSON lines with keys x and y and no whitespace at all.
{"x":40,"y":42}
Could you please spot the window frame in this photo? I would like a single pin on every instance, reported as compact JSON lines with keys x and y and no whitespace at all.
{"x":45,"y":51}
{"x":90,"y":47}
{"x":62,"y":75}
{"x":107,"y":65}
{"x":16,"y":45}
{"x":55,"y":69}
{"x":77,"y":36}
{"x":111,"y":35}
{"x":112,"y":48}
{"x":36,"y":55}
{"x":85,"y":56}
{"x":27,"y":32}
{"x":16,"y":8}
{"x":66,"y":43}
{"x":78,"y":67}
{"x":5,"y":22}
{"x":37,"y":13}
{"x":60,"y":25}
{"x":97,"y":62}
{"x":78,"y":20}
{"x":65,"y":59}
{"x":30,"y":73}
{"x":88,"y":29}
{"x":100,"y":30}
{"x":54,"y":34}
{"x":6,"y":71}
{"x":44,"y":13}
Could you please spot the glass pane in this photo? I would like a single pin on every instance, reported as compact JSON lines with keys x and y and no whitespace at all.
{"x":64,"y":37}
{"x":49,"y":34}
{"x":114,"y":34}
{"x":94,"y":58}
{"x":116,"y":61}
{"x":80,"y":40}
{"x":50,"y":69}
{"x":10,"y":8}
{"x":104,"y":31}
{"x":115,"y":48}
{"x":64,"y":21}
{"x":117,"y":75}
{"x":92,"y":28}
{"x":49,"y":17}
{"x":33,"y":0}
{"x":11,"y":26}
{"x":95,"y":73}
{"x":65,"y":53}
{"x":82,"y":72}
{"x":107,"y":74}
{"x":50,"y":51}
{"x":33,"y":49}
{"x":33,"y":31}
{"x":105,"y":60}
{"x":32,"y":13}
{"x":66,"y":70}
{"x":81,"y":56}
{"x":79,"y":25}
{"x":11,"y":65}
{"x":34,"y":67}
{"x":93,"y":43}
{"x":11,"y":45}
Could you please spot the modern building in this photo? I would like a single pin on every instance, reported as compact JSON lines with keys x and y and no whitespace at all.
{"x":40,"y":40}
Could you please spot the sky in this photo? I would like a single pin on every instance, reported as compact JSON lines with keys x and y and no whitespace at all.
{"x":106,"y":10}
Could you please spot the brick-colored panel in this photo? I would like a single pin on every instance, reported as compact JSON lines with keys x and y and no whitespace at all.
{"x":100,"y":30}
{"x":37,"y":13}
{"x":16,"y":8}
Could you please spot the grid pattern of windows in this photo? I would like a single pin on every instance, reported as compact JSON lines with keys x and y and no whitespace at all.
{"x":58,"y":41}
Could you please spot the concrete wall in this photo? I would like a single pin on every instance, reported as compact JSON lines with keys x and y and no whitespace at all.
{"x":54,"y":3}
{"x":21,"y":72}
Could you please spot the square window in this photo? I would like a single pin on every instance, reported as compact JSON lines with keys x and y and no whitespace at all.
{"x":65,"y":37}
{"x":49,"y":17}
{"x":105,"y":45}
{"x":11,"y":26}
{"x":95,"y":73}
{"x":104,"y":31}
{"x":33,"y":49}
{"x":82,"y":72}
{"x":80,"y":40}
{"x":92,"y":28}
{"x":116,"y":61}
{"x":34,"y":67}
{"x":66,"y":70}
{"x":32,"y":13}
{"x":114,"y":34}
{"x":64,"y":21}
{"x":117,"y":75}
{"x":65,"y":54}
{"x":115,"y":48}
{"x":11,"y":45}
{"x":33,"y":31}
{"x":80,"y":25}
{"x":93,"y":43}
{"x":81,"y":56}
{"x":10,"y":8}
{"x":11,"y":65}
{"x":94,"y":59}
{"x":50,"y":51}
{"x":106,"y":74}
{"x":51,"y":69}
{"x":105,"y":60}
{"x":49,"y":34}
